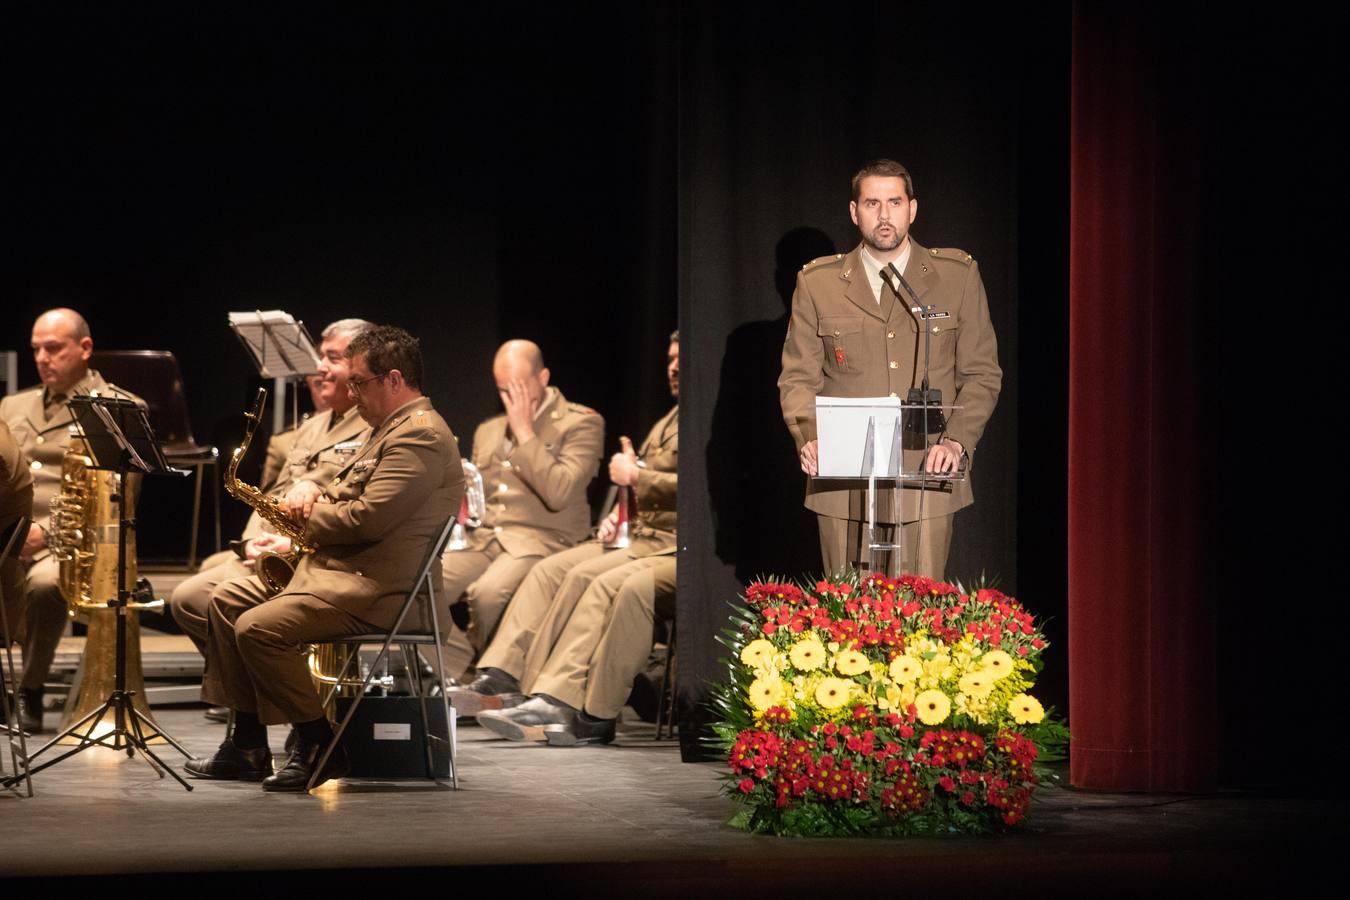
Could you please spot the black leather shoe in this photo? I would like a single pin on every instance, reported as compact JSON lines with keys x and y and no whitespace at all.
{"x":527,"y":721}
{"x":581,"y":730}
{"x":492,"y":689}
{"x":219,"y":714}
{"x":230,"y":763}
{"x":294,"y":776}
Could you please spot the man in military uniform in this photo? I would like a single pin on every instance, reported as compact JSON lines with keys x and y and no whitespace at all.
{"x":373,"y":525}
{"x":318,"y":449}
{"x":536,"y":461}
{"x":576,"y":589}
{"x":40,"y":421}
{"x":16,"y":501}
{"x":853,"y":334}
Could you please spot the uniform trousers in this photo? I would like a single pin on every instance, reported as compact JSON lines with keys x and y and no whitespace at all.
{"x":546,"y":600}
{"x":41,"y":621}
{"x":487,"y":578}
{"x":254,"y":649}
{"x":843,"y":545}
{"x":608,"y":638}
{"x":190,"y":602}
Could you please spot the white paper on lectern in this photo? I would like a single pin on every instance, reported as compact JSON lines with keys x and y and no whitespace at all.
{"x":277,"y":342}
{"x":841,"y":429}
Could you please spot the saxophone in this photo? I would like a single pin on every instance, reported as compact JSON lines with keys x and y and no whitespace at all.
{"x":273,"y":569}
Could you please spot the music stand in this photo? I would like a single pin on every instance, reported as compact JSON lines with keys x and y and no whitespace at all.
{"x":865,"y":438}
{"x":282,"y":350}
{"x":119,"y":439}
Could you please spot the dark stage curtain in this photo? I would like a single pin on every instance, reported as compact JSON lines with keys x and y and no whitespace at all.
{"x":1141,"y":617}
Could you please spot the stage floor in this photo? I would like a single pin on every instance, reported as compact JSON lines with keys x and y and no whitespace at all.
{"x":627,"y":815}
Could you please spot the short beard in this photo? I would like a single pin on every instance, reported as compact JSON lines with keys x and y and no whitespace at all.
{"x":870,"y":241}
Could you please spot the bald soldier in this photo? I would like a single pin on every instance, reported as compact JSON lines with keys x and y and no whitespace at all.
{"x":318,"y":448}
{"x":40,"y":421}
{"x":536,"y":460}
{"x":853,"y":334}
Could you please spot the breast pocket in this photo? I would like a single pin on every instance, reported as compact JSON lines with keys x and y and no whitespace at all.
{"x":360,"y":474}
{"x":842,"y":340}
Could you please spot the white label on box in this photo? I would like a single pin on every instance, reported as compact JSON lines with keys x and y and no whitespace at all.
{"x":393,"y":731}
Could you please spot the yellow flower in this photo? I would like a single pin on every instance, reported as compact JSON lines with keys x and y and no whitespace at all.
{"x":905,"y":669}
{"x":765,"y":692}
{"x":997,"y":663}
{"x":892,"y":698}
{"x":850,"y":662}
{"x":758,"y":654}
{"x":978,"y":684}
{"x":807,"y":654}
{"x":833,"y":692}
{"x":933,"y":707}
{"x":1026,"y":709}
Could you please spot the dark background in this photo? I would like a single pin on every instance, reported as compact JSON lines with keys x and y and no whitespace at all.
{"x":578,"y":175}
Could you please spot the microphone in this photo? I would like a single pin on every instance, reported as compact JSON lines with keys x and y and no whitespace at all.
{"x":931,"y":421}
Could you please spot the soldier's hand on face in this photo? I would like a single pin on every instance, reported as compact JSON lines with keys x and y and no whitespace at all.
{"x":810,"y":464}
{"x":35,"y":541}
{"x":520,"y":410}
{"x":299,"y":500}
{"x":944,"y":456}
{"x":609,"y":525}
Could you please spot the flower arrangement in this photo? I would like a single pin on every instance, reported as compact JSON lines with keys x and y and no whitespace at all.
{"x":882,"y":706}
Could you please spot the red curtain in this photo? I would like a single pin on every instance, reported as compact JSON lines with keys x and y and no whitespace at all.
{"x":1141,"y":623}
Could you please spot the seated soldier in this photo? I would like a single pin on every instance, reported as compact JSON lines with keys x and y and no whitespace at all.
{"x":373,"y":525}
{"x":586,"y":579}
{"x":319,"y":447}
{"x":39,"y":420}
{"x":536,"y":461}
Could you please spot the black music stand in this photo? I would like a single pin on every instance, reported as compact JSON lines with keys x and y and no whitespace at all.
{"x":119,"y":439}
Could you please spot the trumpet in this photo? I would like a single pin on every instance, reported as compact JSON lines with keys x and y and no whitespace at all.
{"x":273,"y":569}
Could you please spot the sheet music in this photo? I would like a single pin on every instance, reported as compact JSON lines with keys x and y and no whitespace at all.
{"x":280,"y":346}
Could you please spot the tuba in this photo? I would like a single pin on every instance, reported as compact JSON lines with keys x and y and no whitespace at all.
{"x":83,"y":536}
{"x":273,"y":569}
{"x":471,"y":509}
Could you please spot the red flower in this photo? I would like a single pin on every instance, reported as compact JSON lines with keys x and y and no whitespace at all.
{"x":747,"y":785}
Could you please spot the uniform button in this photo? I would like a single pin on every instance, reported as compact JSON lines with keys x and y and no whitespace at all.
{"x":36,"y":464}
{"x":894,"y":364}
{"x":497,"y":530}
{"x":895,"y":395}
{"x":836,"y":332}
{"x":506,"y":464}
{"x":936,"y":329}
{"x":359,"y":575}
{"x":502,"y":488}
{"x":41,"y":440}
{"x":890,"y":335}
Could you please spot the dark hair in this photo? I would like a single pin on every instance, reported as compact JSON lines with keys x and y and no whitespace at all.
{"x":388,"y":347}
{"x":883,"y":168}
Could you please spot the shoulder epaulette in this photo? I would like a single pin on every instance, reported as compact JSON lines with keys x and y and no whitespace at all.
{"x":822,"y":260}
{"x":952,"y":254}
{"x":581,"y":408}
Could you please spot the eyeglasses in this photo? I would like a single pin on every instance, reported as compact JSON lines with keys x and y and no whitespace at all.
{"x":357,"y":383}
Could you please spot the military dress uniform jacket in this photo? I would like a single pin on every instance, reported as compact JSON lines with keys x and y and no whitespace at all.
{"x":535,"y":493}
{"x":385,"y":507}
{"x":16,"y":499}
{"x":658,"y":458}
{"x":842,"y":343}
{"x":315,"y":451}
{"x":44,"y":442}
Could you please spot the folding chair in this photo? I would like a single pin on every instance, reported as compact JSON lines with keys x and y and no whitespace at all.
{"x":9,"y":546}
{"x":408,"y":644}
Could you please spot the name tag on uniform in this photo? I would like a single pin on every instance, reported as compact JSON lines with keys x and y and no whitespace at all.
{"x":347,"y":448}
{"x":937,"y":314}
